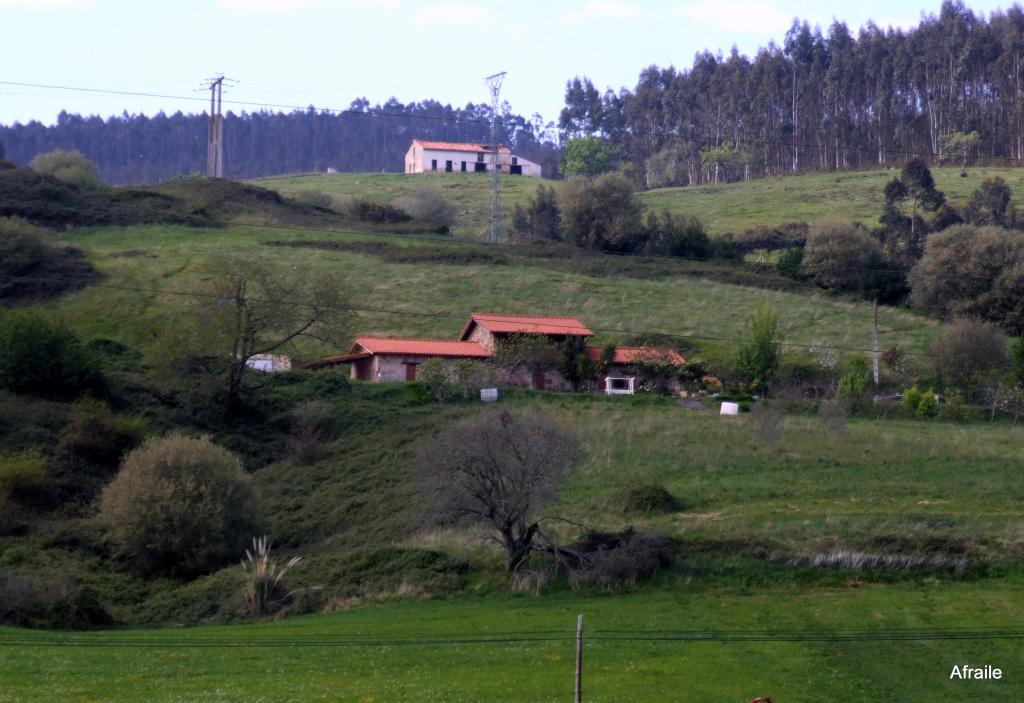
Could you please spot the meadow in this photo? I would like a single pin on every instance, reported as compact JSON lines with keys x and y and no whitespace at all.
{"x":618,"y":304}
{"x":282,"y":661}
{"x":733,"y":207}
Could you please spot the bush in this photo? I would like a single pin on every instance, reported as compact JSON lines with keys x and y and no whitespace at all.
{"x":539,"y":219}
{"x":20,"y":471}
{"x":972,"y":272}
{"x":98,"y":436}
{"x":70,"y":166}
{"x":646,"y":499}
{"x":33,"y":269}
{"x":968,"y":352}
{"x":428,"y":205}
{"x":679,"y":236}
{"x":601,"y":214}
{"x":855,"y":385}
{"x":377,"y":213}
{"x":836,"y":255}
{"x":310,"y":427}
{"x":791,"y":262}
{"x":927,"y":406}
{"x":39,"y":354}
{"x":621,"y":559}
{"x":179,"y":506}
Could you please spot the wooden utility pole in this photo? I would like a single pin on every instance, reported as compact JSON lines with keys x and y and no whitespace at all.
{"x":874,"y":345}
{"x":579,"y":659}
{"x":215,"y":141}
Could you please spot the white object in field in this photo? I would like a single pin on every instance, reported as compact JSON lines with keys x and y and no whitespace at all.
{"x":730,"y":409}
{"x":488,"y":395}
{"x":619,"y":385}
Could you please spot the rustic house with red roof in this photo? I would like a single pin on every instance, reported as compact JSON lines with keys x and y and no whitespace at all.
{"x":424,"y":156}
{"x":399,"y":359}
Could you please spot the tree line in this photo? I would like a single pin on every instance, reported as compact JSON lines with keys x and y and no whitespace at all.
{"x":363,"y":138}
{"x":948,"y":89}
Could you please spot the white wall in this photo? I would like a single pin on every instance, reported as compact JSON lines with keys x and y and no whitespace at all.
{"x":418,"y":160}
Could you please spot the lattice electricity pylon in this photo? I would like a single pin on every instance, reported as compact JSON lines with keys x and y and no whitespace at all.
{"x":494,"y":85}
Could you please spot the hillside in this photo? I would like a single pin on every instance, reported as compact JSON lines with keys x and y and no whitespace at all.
{"x":803,"y":526}
{"x":733,"y":207}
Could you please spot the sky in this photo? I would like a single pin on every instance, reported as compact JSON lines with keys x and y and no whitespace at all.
{"x":327,"y":53}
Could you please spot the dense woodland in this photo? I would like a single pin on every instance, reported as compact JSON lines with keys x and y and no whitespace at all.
{"x":824,"y":99}
{"x":141,"y":149}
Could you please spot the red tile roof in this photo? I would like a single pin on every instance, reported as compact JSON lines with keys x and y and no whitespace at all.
{"x":456,"y":146}
{"x":419,"y":347}
{"x":630,"y":355}
{"x":520,"y":324}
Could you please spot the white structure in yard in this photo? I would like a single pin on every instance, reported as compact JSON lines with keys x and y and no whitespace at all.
{"x":452,"y":157}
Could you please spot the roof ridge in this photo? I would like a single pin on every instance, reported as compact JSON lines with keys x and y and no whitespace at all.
{"x":532,"y":317}
{"x":415,"y":339}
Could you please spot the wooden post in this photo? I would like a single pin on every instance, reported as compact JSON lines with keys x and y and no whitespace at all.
{"x":874,"y":345}
{"x":579,"y":659}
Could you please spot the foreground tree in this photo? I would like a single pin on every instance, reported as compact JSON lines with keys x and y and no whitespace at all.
{"x":836,"y":255}
{"x":757,"y":359}
{"x":496,"y":471}
{"x":245,"y":308}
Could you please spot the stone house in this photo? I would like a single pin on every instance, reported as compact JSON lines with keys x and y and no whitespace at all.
{"x":622,"y":377}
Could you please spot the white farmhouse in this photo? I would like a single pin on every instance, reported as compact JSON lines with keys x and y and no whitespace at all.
{"x":461,"y":158}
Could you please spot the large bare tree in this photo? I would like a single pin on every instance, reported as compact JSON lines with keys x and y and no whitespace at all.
{"x":496,"y":470}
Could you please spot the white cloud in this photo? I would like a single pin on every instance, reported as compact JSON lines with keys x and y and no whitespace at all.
{"x":453,"y":13}
{"x":46,"y":4}
{"x":754,"y":16}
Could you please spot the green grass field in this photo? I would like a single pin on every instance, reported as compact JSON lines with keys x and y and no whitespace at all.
{"x":616,"y":306}
{"x":180,"y":667}
{"x":734,"y":207}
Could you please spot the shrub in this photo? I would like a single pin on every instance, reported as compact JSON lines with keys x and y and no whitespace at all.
{"x":98,"y":436}
{"x":377,"y":213}
{"x":428,"y":205}
{"x":757,"y":360}
{"x":601,"y":214}
{"x":683,"y":235}
{"x":39,"y":354}
{"x":33,"y":269}
{"x":972,"y":272}
{"x":927,"y":406}
{"x":178,"y":506}
{"x":791,"y":262}
{"x":953,"y":408}
{"x":20,"y":471}
{"x":967,"y":352}
{"x":855,"y":385}
{"x":265,"y":591}
{"x":70,"y":166}
{"x":911,"y":399}
{"x":539,"y":219}
{"x":621,"y":559}
{"x":645,"y":499}
{"x":836,"y":255}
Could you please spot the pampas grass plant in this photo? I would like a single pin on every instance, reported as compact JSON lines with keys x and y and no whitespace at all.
{"x":265,"y":592}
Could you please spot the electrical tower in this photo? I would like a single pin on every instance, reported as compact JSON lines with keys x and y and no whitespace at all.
{"x":215,"y":141}
{"x":494,"y":233}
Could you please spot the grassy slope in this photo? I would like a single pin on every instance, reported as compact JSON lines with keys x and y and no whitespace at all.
{"x":167,"y":258}
{"x":723,"y":208}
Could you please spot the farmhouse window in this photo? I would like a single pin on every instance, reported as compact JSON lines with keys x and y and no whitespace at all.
{"x":448,"y":166}
{"x":463,"y":166}
{"x":515,"y":160}
{"x":480,"y":157}
{"x":433,"y":164}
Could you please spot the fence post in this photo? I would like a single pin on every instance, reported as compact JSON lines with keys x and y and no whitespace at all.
{"x":579,"y":659}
